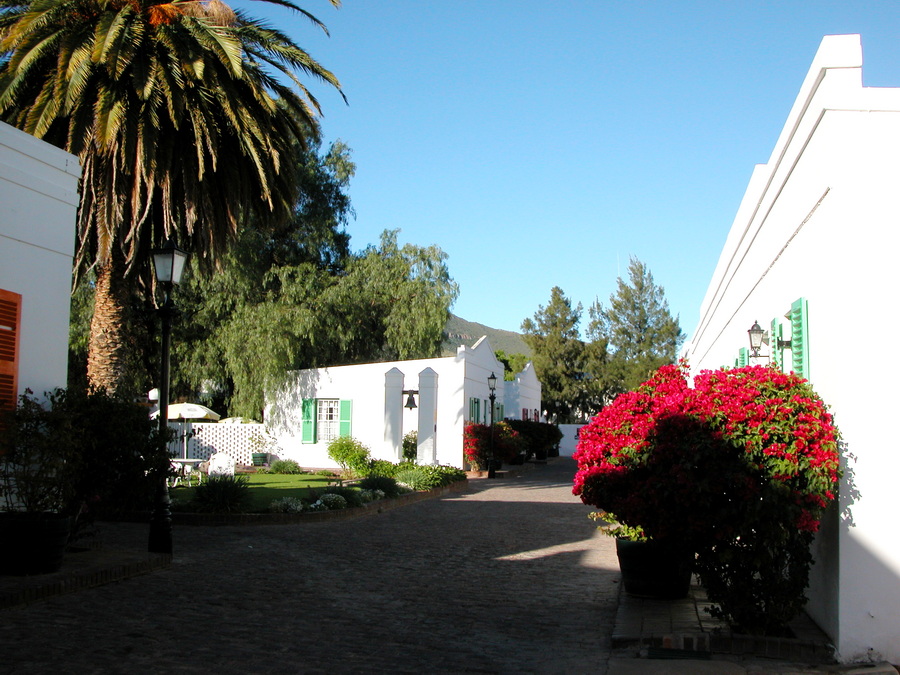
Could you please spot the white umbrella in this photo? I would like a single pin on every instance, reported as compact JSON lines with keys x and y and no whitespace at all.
{"x":188,"y":411}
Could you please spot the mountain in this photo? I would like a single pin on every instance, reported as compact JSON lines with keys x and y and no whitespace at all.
{"x":461,"y":332}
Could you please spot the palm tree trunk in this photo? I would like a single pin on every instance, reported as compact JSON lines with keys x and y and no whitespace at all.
{"x":108,"y":345}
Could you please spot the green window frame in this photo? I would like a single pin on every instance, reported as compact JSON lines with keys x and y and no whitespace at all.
{"x":311,"y":424}
{"x":475,"y":410}
{"x":743,"y":358}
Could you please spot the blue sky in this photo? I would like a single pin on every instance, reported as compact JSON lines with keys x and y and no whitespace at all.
{"x":541,"y":144}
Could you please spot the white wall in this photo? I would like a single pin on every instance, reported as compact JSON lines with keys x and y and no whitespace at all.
{"x":819,"y":221}
{"x":39,"y":194}
{"x":459,"y":378}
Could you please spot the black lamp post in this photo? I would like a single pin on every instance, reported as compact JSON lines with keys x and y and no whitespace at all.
{"x":168,"y":263}
{"x":492,"y":385}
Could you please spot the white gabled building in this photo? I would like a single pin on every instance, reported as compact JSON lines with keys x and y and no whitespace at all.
{"x":812,"y":256}
{"x":367,"y":402}
{"x":39,"y":194}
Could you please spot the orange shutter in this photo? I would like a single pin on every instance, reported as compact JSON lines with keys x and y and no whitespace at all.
{"x":10,"y":318}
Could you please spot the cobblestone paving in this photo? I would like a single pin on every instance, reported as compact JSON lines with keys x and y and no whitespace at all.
{"x":509,"y":577}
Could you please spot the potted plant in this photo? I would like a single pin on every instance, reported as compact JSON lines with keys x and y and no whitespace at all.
{"x":737,"y":468}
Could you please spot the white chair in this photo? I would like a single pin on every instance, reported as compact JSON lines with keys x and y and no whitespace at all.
{"x":179,"y":475}
{"x":221,"y":464}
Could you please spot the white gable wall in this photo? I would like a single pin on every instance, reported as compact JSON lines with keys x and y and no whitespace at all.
{"x":819,"y":221}
{"x":39,"y":194}
{"x":459,"y":378}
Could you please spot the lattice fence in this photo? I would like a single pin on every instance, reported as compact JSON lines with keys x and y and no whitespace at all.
{"x":205,"y":438}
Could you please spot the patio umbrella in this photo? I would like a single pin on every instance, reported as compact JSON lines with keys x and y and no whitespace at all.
{"x":189,"y":411}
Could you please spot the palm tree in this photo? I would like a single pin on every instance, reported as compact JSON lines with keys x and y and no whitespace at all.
{"x":185,"y":115}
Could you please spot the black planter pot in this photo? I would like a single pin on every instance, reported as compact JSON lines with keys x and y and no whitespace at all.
{"x":32,"y":543}
{"x":653,"y":569}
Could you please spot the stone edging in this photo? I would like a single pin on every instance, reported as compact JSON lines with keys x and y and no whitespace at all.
{"x":95,"y":569}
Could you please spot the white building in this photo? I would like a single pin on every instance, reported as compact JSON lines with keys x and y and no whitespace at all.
{"x":812,"y":255}
{"x":367,"y":401}
{"x":39,"y":193}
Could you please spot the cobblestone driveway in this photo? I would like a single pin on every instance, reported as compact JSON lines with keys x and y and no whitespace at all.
{"x":509,"y":577}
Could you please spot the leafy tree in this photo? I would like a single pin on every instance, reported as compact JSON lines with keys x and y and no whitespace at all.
{"x":558,"y":357}
{"x":512,"y":363}
{"x":181,"y":120}
{"x":639,"y":332}
{"x":248,"y":326}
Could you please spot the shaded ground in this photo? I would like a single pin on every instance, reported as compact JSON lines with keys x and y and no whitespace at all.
{"x":510,"y":577}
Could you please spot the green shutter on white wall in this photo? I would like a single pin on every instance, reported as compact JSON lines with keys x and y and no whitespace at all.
{"x":345,"y":416}
{"x":309,"y":421}
{"x":743,"y":357}
{"x":775,"y":338}
{"x":799,"y":316}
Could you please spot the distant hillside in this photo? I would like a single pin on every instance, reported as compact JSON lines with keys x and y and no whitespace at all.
{"x":461,"y":332}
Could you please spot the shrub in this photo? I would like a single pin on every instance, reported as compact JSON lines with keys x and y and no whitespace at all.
{"x":477,"y":444}
{"x":381,"y":468}
{"x":541,"y":439}
{"x":351,"y":455}
{"x":386,"y":484}
{"x":350,"y":495}
{"x":411,"y":446}
{"x":287,"y":505}
{"x":371,"y":495}
{"x":285,"y":466}
{"x":85,"y":452}
{"x":429,"y":477}
{"x":222,"y":494}
{"x":332,"y":501}
{"x":740,"y":468}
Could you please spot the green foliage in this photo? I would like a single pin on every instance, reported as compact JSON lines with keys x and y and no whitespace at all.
{"x":222,"y":494}
{"x":287,"y":505}
{"x":429,"y":477}
{"x":351,"y":495}
{"x":386,"y":484}
{"x":285,"y":466}
{"x":80,"y":453}
{"x":381,"y":467}
{"x":639,"y":332}
{"x":512,"y":363}
{"x":539,"y":438}
{"x":411,"y":446}
{"x":559,"y":358}
{"x":291,"y":311}
{"x":350,"y":454}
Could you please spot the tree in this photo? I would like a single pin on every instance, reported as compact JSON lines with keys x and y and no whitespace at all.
{"x":512,"y":363}
{"x":558,"y":357}
{"x":639,"y":332}
{"x":247,"y":326}
{"x":182,"y":124}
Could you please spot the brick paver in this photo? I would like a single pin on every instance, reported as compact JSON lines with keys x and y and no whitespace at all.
{"x":509,"y":577}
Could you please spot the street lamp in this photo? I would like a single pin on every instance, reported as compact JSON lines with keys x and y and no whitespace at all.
{"x":168,"y":264}
{"x":492,"y":385}
{"x":756,"y":334}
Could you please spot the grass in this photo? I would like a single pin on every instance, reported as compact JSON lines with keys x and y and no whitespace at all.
{"x":267,"y":487}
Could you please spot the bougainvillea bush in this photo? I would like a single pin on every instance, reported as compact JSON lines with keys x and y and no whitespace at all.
{"x":477,"y":443}
{"x":740,"y":467}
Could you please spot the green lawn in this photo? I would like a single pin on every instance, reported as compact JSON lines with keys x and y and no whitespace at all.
{"x":266,"y":487}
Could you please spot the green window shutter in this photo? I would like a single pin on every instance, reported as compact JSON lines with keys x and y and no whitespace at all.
{"x":346,"y":414}
{"x":309,"y":421}
{"x":743,"y":357}
{"x":799,"y":317}
{"x":502,"y":415}
{"x":776,"y":336}
{"x":477,"y":411}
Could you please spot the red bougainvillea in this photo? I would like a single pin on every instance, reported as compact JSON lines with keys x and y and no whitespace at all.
{"x":740,"y":466}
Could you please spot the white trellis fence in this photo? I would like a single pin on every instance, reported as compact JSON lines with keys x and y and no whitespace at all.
{"x":200,"y":440}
